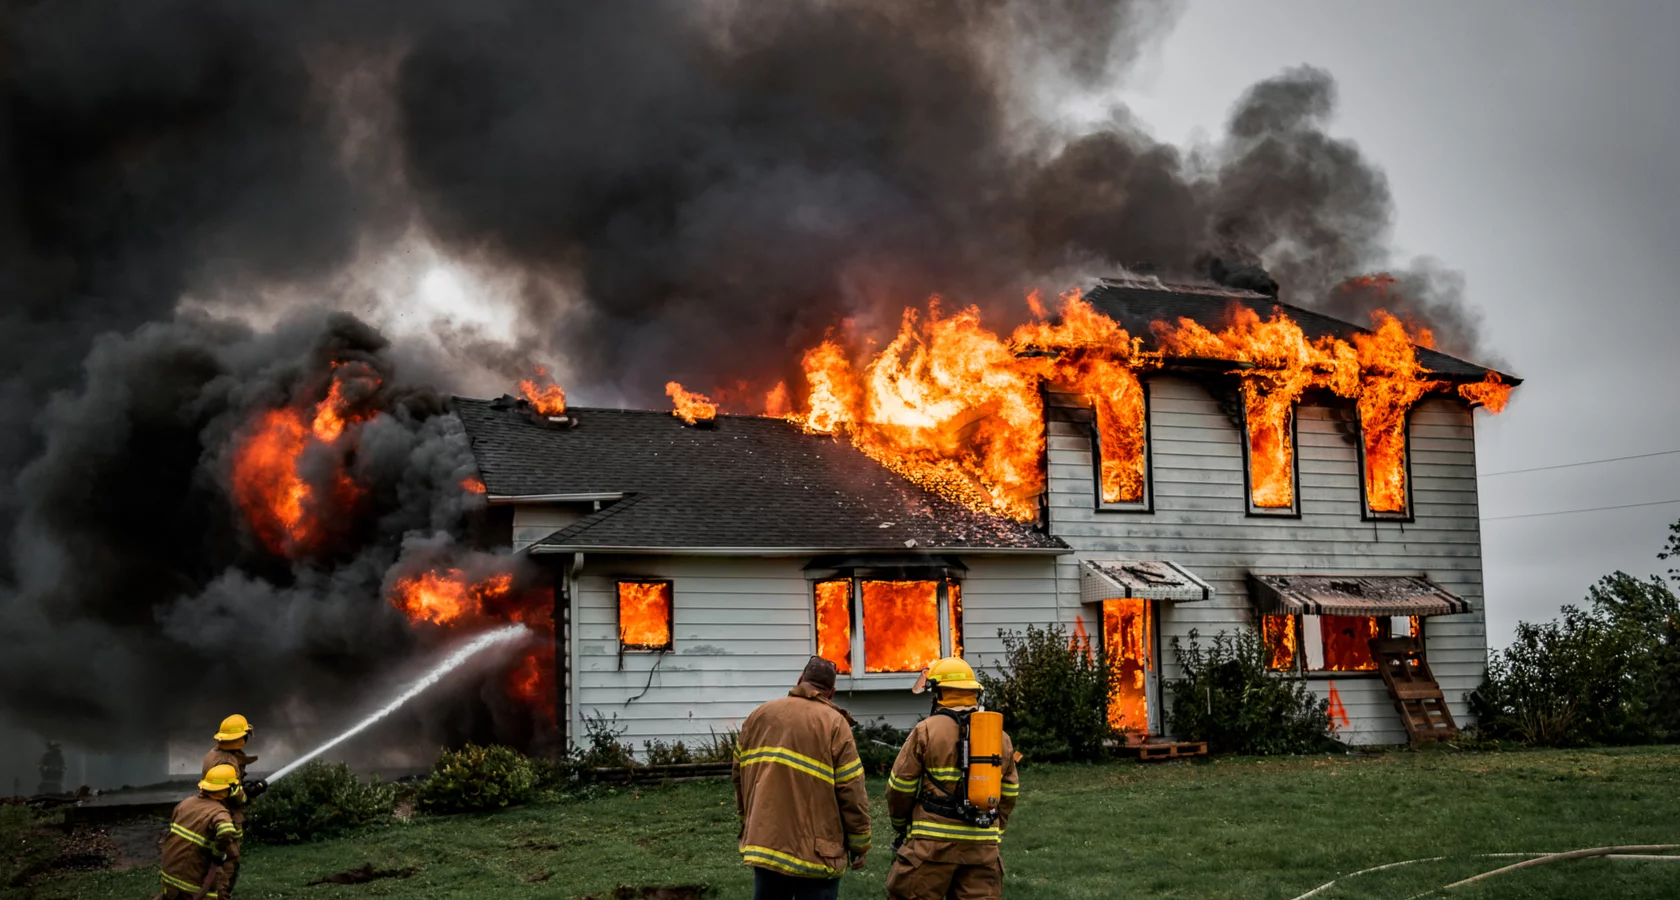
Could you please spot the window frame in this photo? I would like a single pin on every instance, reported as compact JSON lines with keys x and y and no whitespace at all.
{"x":1366,"y":513}
{"x":1297,"y":624}
{"x":1146,"y":505}
{"x":859,"y":676}
{"x":1293,"y":510}
{"x":618,"y":615}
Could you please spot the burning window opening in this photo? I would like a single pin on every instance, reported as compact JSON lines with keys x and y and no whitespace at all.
{"x":953,"y":593}
{"x":644,"y":615}
{"x":1270,"y":452}
{"x":900,"y":625}
{"x":834,"y":623}
{"x":1391,"y":382}
{"x":1128,"y":644}
{"x":692,"y":408}
{"x":1330,"y":643}
{"x":546,"y":398}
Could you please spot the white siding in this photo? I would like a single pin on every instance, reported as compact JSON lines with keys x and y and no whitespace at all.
{"x":1200,"y":522}
{"x":532,"y":523}
{"x":742,"y":628}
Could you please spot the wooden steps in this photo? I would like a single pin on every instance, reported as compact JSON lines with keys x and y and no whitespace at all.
{"x":1412,"y":687}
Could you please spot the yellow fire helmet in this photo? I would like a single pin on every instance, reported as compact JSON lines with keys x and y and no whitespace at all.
{"x":220,"y":778}
{"x":949,"y":672}
{"x":233,"y":728}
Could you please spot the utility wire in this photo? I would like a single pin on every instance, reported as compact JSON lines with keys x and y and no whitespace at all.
{"x":1567,"y":512}
{"x":1586,"y":462}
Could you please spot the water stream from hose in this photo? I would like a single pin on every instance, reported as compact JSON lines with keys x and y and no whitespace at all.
{"x":449,"y":664}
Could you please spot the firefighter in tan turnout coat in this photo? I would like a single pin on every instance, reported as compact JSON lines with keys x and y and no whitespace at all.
{"x":201,"y":839}
{"x":800,"y":792}
{"x":940,"y":853}
{"x":231,"y":737}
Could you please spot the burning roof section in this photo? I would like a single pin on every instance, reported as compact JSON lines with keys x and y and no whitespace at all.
{"x":1137,"y":304}
{"x":748,"y":483}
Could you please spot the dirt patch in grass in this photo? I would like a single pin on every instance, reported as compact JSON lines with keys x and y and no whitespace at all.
{"x":363,"y":874}
{"x":655,"y":892}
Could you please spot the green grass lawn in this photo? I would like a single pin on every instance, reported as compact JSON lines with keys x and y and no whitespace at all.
{"x":1230,"y":828}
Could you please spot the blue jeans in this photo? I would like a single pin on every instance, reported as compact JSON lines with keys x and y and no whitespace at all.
{"x":768,"y":885}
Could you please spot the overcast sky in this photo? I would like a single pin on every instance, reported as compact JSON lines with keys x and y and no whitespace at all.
{"x":1533,"y":147}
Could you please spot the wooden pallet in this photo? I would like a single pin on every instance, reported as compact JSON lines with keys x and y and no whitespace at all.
{"x":1151,"y":751}
{"x":1412,"y":687}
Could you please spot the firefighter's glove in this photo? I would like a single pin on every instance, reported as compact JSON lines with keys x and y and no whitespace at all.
{"x":255,"y":789}
{"x":858,"y":859}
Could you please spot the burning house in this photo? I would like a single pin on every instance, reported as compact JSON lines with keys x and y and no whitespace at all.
{"x":1153,"y":461}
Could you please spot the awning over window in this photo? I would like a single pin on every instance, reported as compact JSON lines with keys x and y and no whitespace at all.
{"x":1145,"y":579}
{"x":1353,"y":595}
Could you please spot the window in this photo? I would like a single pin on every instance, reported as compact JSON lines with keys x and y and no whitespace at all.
{"x":887,"y":626}
{"x":644,"y":615}
{"x":1330,"y":643}
{"x":1269,"y":457}
{"x":1120,"y":441}
{"x":1385,"y":465}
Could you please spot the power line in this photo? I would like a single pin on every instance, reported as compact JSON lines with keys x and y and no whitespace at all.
{"x":1567,"y":512}
{"x":1587,"y":462}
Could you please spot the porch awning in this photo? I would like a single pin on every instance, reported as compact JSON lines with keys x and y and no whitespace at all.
{"x":1145,"y":579}
{"x":1353,"y":595}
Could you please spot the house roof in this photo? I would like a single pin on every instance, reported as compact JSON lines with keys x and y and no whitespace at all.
{"x":748,"y":483}
{"x":1136,"y":305}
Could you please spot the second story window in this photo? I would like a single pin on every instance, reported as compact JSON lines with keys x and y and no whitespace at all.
{"x":1384,"y":461}
{"x":1120,"y":442}
{"x":1269,"y":454}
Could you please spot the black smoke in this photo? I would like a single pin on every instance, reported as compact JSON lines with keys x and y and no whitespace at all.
{"x":690,"y":190}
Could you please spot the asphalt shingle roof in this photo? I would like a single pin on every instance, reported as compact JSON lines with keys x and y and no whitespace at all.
{"x":1136,"y":307}
{"x":748,"y":483}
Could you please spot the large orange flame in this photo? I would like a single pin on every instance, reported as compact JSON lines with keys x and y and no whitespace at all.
{"x":900,"y":625}
{"x":1391,"y":381}
{"x":290,"y":515}
{"x":834,"y":624}
{"x":644,"y":614}
{"x":546,"y":397}
{"x":1347,"y":642}
{"x":689,"y":406}
{"x":1128,"y":636}
{"x":443,"y":596}
{"x":1491,"y":392}
{"x":1278,"y":633}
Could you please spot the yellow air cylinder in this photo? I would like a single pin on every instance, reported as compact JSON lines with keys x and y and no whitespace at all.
{"x":985,"y":778}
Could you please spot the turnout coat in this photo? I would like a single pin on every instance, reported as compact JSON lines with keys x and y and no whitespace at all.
{"x":799,"y":787}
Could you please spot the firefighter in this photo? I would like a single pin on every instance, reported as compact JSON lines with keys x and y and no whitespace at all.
{"x":799,"y":791}
{"x":945,"y":846}
{"x":202,"y":840}
{"x":231,"y":737}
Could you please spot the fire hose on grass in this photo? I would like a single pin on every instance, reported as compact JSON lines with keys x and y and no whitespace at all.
{"x":1632,"y":851}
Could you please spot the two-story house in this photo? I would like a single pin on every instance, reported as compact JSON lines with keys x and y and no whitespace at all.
{"x":697,"y":568}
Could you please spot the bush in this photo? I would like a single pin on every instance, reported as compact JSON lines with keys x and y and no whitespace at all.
{"x":877,"y":745}
{"x":604,"y":750}
{"x":659,"y":753}
{"x":719,"y":747}
{"x":1054,"y":697}
{"x":317,"y":801}
{"x":1229,"y":698}
{"x":1606,"y":674}
{"x":479,"y":778}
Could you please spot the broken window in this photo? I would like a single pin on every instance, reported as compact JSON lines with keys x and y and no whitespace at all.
{"x":1269,"y":452}
{"x":1385,"y":468}
{"x":834,"y":623}
{"x":644,"y":615}
{"x":1330,"y":643}
{"x":1129,"y":644}
{"x":887,"y":626}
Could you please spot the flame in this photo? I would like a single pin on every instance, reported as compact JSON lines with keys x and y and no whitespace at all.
{"x":1278,"y":635}
{"x":1281,"y":366}
{"x":644,"y":614}
{"x":1128,"y":635}
{"x":900,"y":625}
{"x":548,"y":399}
{"x":953,"y":592}
{"x":1391,"y":381}
{"x":290,"y":515}
{"x":689,"y":406}
{"x":1491,"y":392}
{"x":472,"y":485}
{"x":532,"y":680}
{"x":1347,"y":646}
{"x":443,"y":596}
{"x":776,"y":402}
{"x":834,"y":624}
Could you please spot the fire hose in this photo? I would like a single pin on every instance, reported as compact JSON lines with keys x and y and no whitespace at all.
{"x":1633,"y":851}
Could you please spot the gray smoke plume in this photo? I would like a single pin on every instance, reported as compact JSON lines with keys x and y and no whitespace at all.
{"x":713,"y":183}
